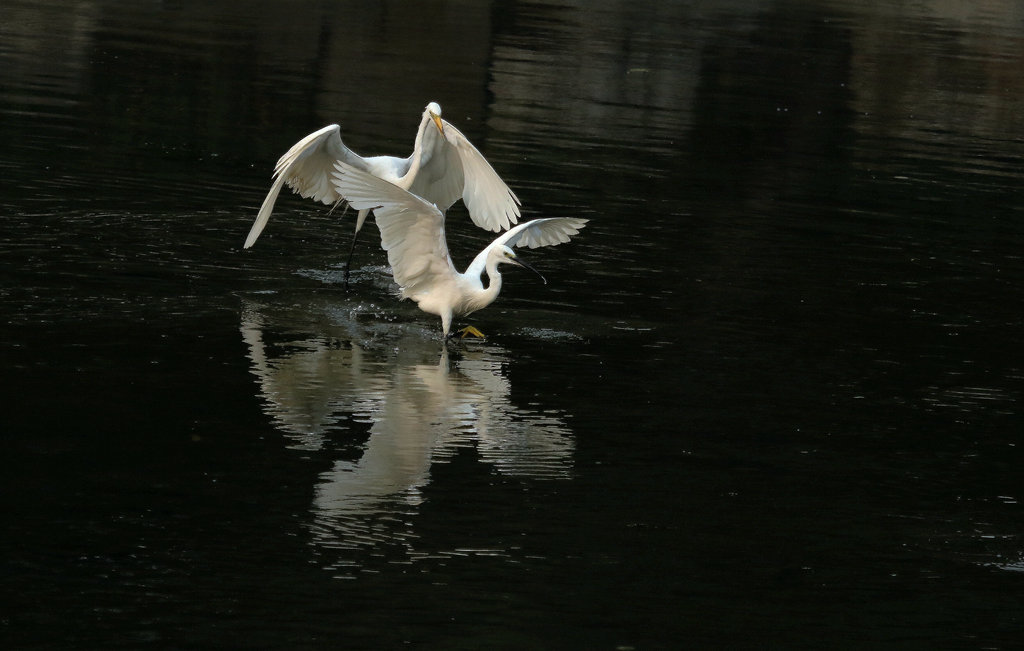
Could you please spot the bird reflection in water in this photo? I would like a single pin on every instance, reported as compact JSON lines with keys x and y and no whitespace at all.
{"x":321,"y":372}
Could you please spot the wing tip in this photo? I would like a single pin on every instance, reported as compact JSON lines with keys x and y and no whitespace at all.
{"x":250,"y":240}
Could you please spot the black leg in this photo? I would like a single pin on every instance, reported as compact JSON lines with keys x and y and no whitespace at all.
{"x":348,"y":263}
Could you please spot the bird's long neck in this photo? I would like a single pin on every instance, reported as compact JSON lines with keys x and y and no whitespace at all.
{"x":420,"y":146}
{"x":484,"y":296}
{"x":493,"y":282}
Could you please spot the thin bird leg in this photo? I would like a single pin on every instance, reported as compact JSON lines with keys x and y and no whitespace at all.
{"x":343,"y":213}
{"x":348,"y":263}
{"x":360,"y":220}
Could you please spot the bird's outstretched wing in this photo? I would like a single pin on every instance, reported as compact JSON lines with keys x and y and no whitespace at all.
{"x":306,"y":168}
{"x":411,"y":229}
{"x":541,"y":232}
{"x":454,"y":168}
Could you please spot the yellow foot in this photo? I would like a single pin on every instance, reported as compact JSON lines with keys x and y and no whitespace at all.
{"x":470,"y":330}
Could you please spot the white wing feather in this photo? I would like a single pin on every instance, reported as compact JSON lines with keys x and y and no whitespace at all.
{"x":535,"y":233}
{"x":491,"y":204}
{"x":455,"y":168}
{"x":306,"y":168}
{"x":411,"y":229}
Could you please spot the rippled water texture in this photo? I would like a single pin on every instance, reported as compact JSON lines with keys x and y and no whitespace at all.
{"x":769,"y":397}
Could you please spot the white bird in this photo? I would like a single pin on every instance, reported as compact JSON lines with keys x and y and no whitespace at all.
{"x":412,"y":232}
{"x":443,"y":167}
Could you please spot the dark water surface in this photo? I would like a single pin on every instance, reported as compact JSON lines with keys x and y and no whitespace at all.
{"x":770,"y":397}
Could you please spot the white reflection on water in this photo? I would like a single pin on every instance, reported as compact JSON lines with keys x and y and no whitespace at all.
{"x":328,"y":374}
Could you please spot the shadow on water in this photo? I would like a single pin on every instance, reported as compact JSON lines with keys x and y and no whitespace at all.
{"x":392,"y":401}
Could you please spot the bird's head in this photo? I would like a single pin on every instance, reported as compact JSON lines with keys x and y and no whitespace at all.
{"x":434,"y":111}
{"x":506,"y":254}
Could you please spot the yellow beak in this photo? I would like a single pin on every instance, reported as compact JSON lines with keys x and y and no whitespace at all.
{"x":437,"y":122}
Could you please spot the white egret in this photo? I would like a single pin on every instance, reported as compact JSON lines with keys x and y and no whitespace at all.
{"x":412,"y":232}
{"x":443,"y":167}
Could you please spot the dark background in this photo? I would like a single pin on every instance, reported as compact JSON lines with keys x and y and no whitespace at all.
{"x":770,"y":397}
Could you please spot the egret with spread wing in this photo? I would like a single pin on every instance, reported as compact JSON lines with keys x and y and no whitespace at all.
{"x":412,"y":232}
{"x":443,"y":167}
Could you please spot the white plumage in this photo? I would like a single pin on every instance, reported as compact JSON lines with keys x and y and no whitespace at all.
{"x":443,"y":167}
{"x":412,"y":232}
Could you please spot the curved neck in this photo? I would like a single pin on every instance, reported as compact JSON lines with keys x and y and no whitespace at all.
{"x":419,"y":147}
{"x":493,"y":280}
{"x":484,"y":296}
